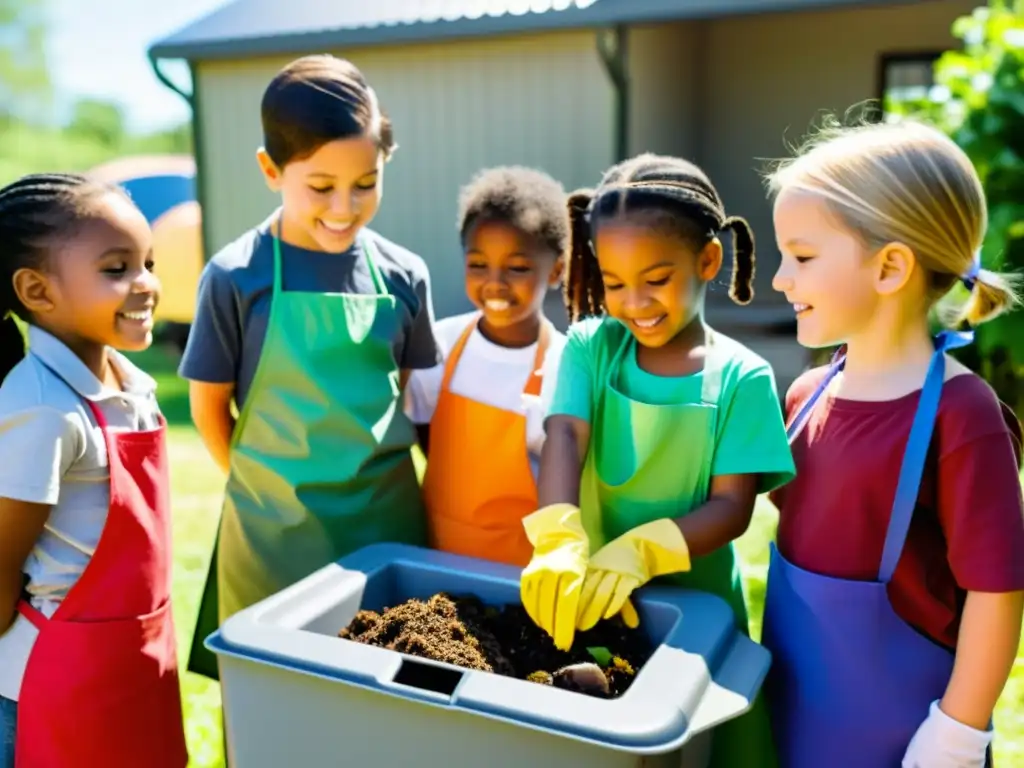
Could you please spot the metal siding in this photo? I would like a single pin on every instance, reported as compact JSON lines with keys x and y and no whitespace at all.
{"x":235,"y":195}
{"x":542,"y":100}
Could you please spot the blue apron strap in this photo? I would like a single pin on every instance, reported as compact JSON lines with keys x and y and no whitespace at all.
{"x":804,"y":413}
{"x":918,"y":443}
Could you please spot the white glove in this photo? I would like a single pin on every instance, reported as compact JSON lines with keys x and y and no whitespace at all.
{"x":942,"y":742}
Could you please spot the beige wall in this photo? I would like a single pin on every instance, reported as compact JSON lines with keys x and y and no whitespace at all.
{"x":543,"y":100}
{"x":666,"y":89}
{"x":772,"y":76}
{"x":730,"y":93}
{"x":733,"y":91}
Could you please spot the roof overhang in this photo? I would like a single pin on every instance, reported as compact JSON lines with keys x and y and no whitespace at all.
{"x":229,"y":32}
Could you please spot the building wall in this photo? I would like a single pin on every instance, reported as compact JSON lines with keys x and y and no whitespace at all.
{"x":770,"y":77}
{"x":728,"y":93}
{"x":665,"y":89}
{"x":542,"y":100}
{"x":733,"y":92}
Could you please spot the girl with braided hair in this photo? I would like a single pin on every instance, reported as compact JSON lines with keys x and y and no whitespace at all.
{"x":662,"y":431}
{"x":88,"y":665}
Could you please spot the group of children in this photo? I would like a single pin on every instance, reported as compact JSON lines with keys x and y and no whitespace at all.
{"x":631,"y":448}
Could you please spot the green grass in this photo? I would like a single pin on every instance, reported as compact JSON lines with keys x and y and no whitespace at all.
{"x":196,"y":499}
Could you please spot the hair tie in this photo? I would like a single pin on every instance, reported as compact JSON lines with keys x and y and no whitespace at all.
{"x":970,"y":277}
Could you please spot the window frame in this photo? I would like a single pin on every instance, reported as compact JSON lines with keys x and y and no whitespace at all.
{"x":886,"y":60}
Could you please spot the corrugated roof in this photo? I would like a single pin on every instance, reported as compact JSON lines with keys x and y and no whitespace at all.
{"x":246,"y":28}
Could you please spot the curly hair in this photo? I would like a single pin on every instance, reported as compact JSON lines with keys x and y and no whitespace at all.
{"x":527,"y":199}
{"x":670,"y":194}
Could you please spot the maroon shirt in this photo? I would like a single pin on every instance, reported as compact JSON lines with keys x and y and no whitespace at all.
{"x":967,"y":533}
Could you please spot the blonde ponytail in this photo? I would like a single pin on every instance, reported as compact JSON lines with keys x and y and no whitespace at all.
{"x":991,"y":295}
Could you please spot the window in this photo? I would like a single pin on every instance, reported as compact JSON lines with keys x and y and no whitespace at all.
{"x":905,"y":76}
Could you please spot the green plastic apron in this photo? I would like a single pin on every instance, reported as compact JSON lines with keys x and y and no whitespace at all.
{"x":320,"y":457}
{"x":653,"y":461}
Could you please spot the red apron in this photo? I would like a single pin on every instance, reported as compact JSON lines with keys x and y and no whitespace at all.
{"x":101,"y":685}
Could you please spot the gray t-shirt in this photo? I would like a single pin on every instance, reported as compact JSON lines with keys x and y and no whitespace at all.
{"x":235,"y":289}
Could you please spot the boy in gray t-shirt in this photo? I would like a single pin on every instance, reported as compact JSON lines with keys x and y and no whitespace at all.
{"x":309,"y":325}
{"x":226,"y":339}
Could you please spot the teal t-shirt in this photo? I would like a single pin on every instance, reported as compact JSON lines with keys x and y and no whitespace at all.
{"x":751,"y":434}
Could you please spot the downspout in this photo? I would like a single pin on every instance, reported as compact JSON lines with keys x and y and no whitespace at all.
{"x":198,"y":148}
{"x":611,"y":47}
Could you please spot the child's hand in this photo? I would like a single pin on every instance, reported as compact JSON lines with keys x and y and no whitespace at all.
{"x":552,"y":583}
{"x":942,"y":742}
{"x":630,"y":561}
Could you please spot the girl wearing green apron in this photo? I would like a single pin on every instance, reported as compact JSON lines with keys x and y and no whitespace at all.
{"x":307,"y":325}
{"x":662,"y":431}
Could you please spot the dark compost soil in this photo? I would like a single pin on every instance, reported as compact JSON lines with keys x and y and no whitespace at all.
{"x":465,"y":632}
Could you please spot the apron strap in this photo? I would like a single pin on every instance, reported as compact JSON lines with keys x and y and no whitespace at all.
{"x":711,"y":382}
{"x":803,"y":415}
{"x":912,"y":468}
{"x":30,"y":612}
{"x":368,"y":247}
{"x":277,"y":252}
{"x":456,"y":353}
{"x":370,"y":252}
{"x":533,"y":383}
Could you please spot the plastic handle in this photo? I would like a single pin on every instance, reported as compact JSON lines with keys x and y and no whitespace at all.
{"x":434,"y":681}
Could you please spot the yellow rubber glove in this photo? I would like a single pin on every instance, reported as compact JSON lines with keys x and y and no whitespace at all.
{"x":552,"y":583}
{"x":630,"y":561}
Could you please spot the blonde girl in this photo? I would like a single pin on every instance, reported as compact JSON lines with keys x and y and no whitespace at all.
{"x":896,"y":586}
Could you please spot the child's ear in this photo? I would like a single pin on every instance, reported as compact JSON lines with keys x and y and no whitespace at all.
{"x":556,"y":274}
{"x":34,"y":291}
{"x":895,"y":265}
{"x":271,"y":173}
{"x":709,"y":261}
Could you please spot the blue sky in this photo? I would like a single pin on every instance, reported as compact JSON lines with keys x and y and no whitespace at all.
{"x":98,"y":48}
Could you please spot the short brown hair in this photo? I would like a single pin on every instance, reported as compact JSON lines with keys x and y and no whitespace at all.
{"x":318,"y":99}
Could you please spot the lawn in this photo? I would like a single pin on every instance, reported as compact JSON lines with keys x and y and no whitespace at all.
{"x":196,"y":489}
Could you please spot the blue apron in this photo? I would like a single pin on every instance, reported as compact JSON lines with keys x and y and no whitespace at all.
{"x":850,"y":681}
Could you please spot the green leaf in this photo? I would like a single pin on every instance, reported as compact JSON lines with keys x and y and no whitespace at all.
{"x":601,"y":655}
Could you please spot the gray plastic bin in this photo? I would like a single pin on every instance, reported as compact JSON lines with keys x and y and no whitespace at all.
{"x":297,"y":696}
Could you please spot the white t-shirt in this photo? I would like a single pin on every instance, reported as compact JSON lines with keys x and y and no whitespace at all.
{"x":489,"y":374}
{"x":54,"y":453}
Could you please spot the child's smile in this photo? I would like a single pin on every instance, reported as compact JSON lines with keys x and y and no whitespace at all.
{"x":103,"y":287}
{"x":650,"y":281}
{"x":507,"y":277}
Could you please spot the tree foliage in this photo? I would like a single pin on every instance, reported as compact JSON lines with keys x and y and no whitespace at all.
{"x":25,"y":88}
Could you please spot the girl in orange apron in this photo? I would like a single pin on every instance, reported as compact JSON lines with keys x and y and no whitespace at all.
{"x":88,"y":662}
{"x":481,"y":411}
